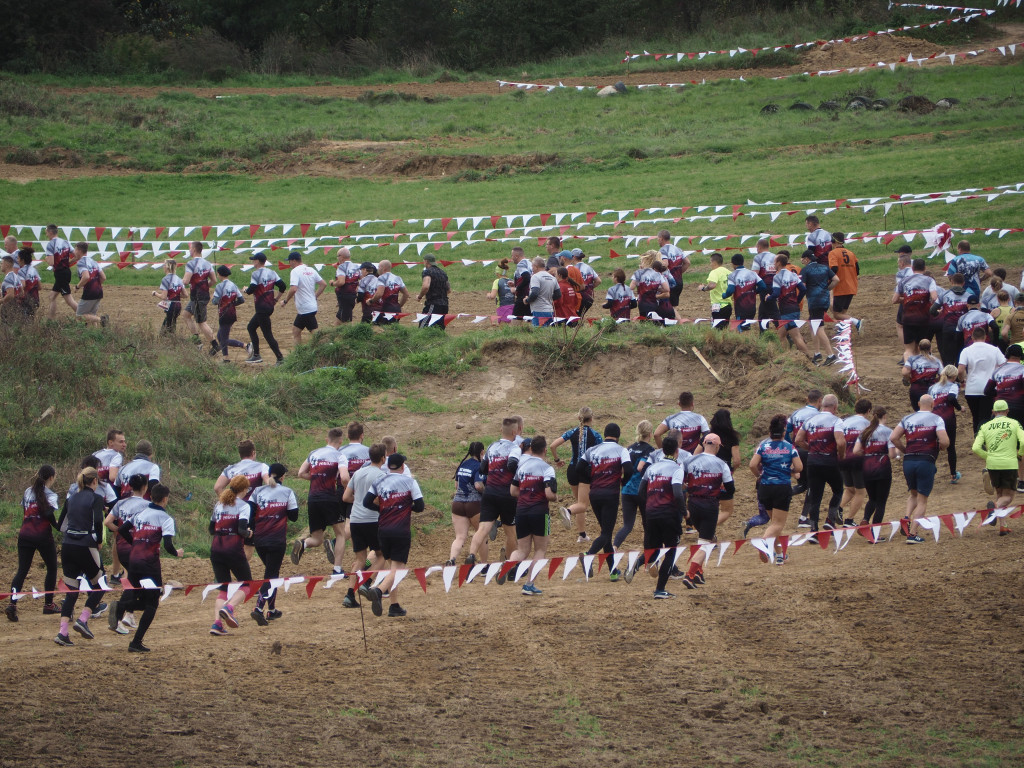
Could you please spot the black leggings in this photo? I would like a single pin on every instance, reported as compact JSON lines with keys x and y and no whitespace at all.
{"x":223,"y":340}
{"x":878,"y":494}
{"x":48,"y":552}
{"x":261,"y":320}
{"x":981,"y":410}
{"x":817,"y":478}
{"x":630,"y":506}
{"x":951,"y":451}
{"x":170,"y":323}
{"x":272,"y":558}
{"x":145,"y":600}
{"x":80,"y":561}
{"x":951,"y":344}
{"x":606,"y":510}
{"x":346,"y":303}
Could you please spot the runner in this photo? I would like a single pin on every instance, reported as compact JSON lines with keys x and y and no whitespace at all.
{"x":32,"y":280}
{"x":921,"y":371}
{"x":818,"y":280}
{"x":364,"y":521}
{"x":691,"y":425}
{"x":1013,"y":328}
{"x":306,"y":285}
{"x":59,"y":256}
{"x":503,"y":294}
{"x":716,"y":285}
{"x":729,"y":452}
{"x":255,"y":472}
{"x":823,"y":439}
{"x":878,"y":453}
{"x":521,"y":282}
{"x":466,"y":502}
{"x":676,"y":261}
{"x":170,"y":291}
{"x":950,"y":307}
{"x":844,"y":265}
{"x":568,"y":304}
{"x":978,"y":363}
{"x":764,"y":266}
{"x":230,"y":525}
{"x":639,"y":454}
{"x":533,"y":487}
{"x":620,"y":300}
{"x":1000,"y":442}
{"x":199,"y":279}
{"x":261,"y":287}
{"x":81,"y":520}
{"x":395,"y":294}
{"x":919,"y":437}
{"x":90,"y":281}
{"x":327,"y":472}
{"x":112,"y":457}
{"x":605,"y":469}
{"x":590,"y":280}
{"x":391,"y":447}
{"x":226,"y":296}
{"x":775,"y":463}
{"x":581,"y":439}
{"x":370,"y":291}
{"x":141,"y":464}
{"x":12,"y":292}
{"x":145,"y":532}
{"x":661,"y":495}
{"x":395,"y":497}
{"x":346,"y":284}
{"x":972,"y":267}
{"x":851,"y":467}
{"x":273,"y":506}
{"x":944,"y":392}
{"x":435,"y":291}
{"x":788,"y":290}
{"x":707,"y":479}
{"x":818,"y":240}
{"x":916,"y":293}
{"x":976,"y":318}
{"x":650,"y":286}
{"x":124,"y":511}
{"x":36,"y":535}
{"x":497,"y":469}
{"x":1007,"y":383}
{"x":796,"y":420}
{"x":904,"y":257}
{"x":744,"y":287}
{"x":356,"y":457}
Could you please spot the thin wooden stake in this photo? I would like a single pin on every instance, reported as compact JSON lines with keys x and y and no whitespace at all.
{"x":707,"y":365}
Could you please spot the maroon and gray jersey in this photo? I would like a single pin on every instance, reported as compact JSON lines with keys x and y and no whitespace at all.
{"x":352,"y":274}
{"x":495,"y":466}
{"x":797,"y":419}
{"x":902,"y":274}
{"x":137,"y":466}
{"x":151,"y":525}
{"x":263,"y":282}
{"x":12,"y":283}
{"x":61,"y":252}
{"x":971,"y":319}
{"x":357,"y":455}
{"x":922,"y":430}
{"x":323,"y":474}
{"x":368,"y":286}
{"x":35,"y":527}
{"x":533,"y":475}
{"x":705,"y":476}
{"x":764,"y":266}
{"x":270,"y":514}
{"x":199,"y":283}
{"x":821,"y":439}
{"x":226,"y":297}
{"x":606,"y":461}
{"x":788,"y":284}
{"x":589,"y":279}
{"x":395,"y":496}
{"x":620,"y":297}
{"x":252,"y":470}
{"x":916,"y":292}
{"x":952,"y":306}
{"x":673,"y":258}
{"x":876,"y":453}
{"x":659,"y":478}
{"x":745,"y":284}
{"x":124,"y":511}
{"x":226,"y":520}
{"x":92,"y":278}
{"x":648,"y":285}
{"x":1007,"y":384}
{"x":109,"y":459}
{"x":820,"y":242}
{"x":852,"y":426}
{"x":924,"y":371}
{"x":521,"y":278}
{"x":393,"y":286}
{"x":174,"y":286}
{"x":31,"y":279}
{"x":945,"y":398}
{"x":691,"y":426}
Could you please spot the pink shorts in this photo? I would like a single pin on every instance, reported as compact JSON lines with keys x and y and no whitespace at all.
{"x":505,"y":313}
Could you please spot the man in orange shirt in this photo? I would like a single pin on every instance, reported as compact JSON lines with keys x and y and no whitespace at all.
{"x":844,"y":265}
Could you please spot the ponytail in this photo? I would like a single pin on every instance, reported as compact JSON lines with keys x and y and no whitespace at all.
{"x":949,"y":373}
{"x":39,"y":487}
{"x":475,"y":449}
{"x":585,"y":414}
{"x":876,"y":419}
{"x":236,"y":488}
{"x":87,"y":476}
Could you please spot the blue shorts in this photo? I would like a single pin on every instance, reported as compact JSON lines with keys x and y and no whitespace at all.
{"x":537,"y":316}
{"x":788,"y":319}
{"x":920,"y":474}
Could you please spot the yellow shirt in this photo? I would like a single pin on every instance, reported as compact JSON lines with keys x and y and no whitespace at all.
{"x":720,"y":277}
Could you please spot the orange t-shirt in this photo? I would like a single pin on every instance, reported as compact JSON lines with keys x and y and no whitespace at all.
{"x":846,"y":272}
{"x":569,"y":304}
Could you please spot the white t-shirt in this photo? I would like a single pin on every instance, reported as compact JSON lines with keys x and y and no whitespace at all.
{"x":361,"y":482}
{"x":306,"y":279}
{"x":981,"y":360}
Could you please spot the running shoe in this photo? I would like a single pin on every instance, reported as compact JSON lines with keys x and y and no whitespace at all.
{"x":804,"y":522}
{"x":280,"y":362}
{"x":781,"y":558}
{"x":12,"y":611}
{"x":565,"y":517}
{"x":987,"y":482}
{"x":828,"y":526}
{"x":258,"y":617}
{"x":849,"y":523}
{"x":329,"y":549}
{"x":121,"y":629}
{"x":583,"y":539}
{"x":830,"y":359}
{"x":374,"y":595}
{"x":857,"y":324}
{"x":104,"y":321}
{"x":689,"y":583}
{"x":396,"y":610}
{"x":530,"y":590}
{"x":915,"y":540}
{"x":799,"y":488}
{"x":663,"y":594}
{"x":99,"y":610}
{"x":449,"y":562}
{"x":339,"y":572}
{"x":350,"y":601}
{"x":248,"y":347}
{"x":253,"y":358}
{"x":112,"y":621}
{"x":698,"y":577}
{"x":675,"y":573}
{"x":227,"y":615}
{"x":214,"y":349}
{"x":129,"y":620}
{"x":63,"y":640}
{"x":816,"y":360}
{"x":134,"y":647}
{"x":1005,"y":531}
{"x":493,"y":533}
{"x":958,"y":474}
{"x":297,"y":549}
{"x":690,"y":530}
{"x":470,"y":559}
{"x":82,"y":628}
{"x":501,"y":578}
{"x":115,"y":579}
{"x":50,"y":609}
{"x":629,"y":572}
{"x":614,"y":575}
{"x":275,"y":614}
{"x":217,"y":628}
{"x":1020,"y":485}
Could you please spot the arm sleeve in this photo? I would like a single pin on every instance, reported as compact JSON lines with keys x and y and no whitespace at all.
{"x":729,"y":486}
{"x":99,"y":509}
{"x":417,"y":505}
{"x":126,"y":532}
{"x":513,"y":465}
{"x":63,"y":514}
{"x":169,"y":546}
{"x":729,"y":291}
{"x":280,"y":285}
{"x":534,"y":293}
{"x":557,"y":294}
{"x":369,"y":503}
{"x":627,"y":473}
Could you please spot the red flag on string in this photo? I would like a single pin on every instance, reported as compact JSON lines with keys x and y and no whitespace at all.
{"x":253,"y":229}
{"x":445,"y":222}
{"x":553,"y":566}
{"x":99,"y":232}
{"x":421,"y":577}
{"x":311,"y":584}
{"x":544,"y":219}
{"x":206,"y":230}
{"x":304,"y":228}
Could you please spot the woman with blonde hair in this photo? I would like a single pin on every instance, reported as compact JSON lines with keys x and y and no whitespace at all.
{"x":230,"y":525}
{"x":650,"y":286}
{"x":580,"y":438}
{"x":944,"y":392}
{"x":878,"y":452}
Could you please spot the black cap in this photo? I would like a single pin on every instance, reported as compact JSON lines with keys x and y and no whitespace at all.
{"x":971,"y":298}
{"x":367,"y":265}
{"x":904,"y":249}
{"x":223,"y":270}
{"x":294,"y":256}
{"x":395,"y":460}
{"x":277,"y":470}
{"x":259,"y":256}
{"x":612,"y":430}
